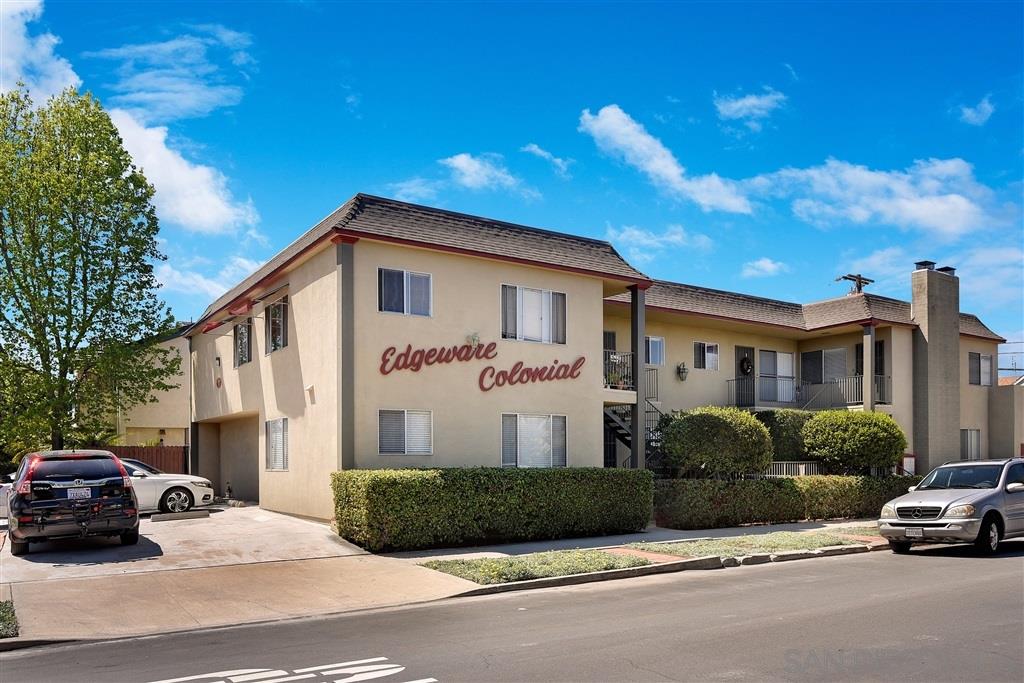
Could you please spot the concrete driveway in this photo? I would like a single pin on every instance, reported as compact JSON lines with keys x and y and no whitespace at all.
{"x":229,"y":536}
{"x":239,"y":565}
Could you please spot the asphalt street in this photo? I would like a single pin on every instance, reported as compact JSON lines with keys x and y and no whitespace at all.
{"x":938,"y":614}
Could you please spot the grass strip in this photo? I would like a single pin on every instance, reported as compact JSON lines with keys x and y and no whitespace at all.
{"x":736,"y":546}
{"x":491,"y":570}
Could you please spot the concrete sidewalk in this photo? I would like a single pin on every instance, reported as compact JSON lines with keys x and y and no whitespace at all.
{"x":652,"y":534}
{"x":161,"y":601}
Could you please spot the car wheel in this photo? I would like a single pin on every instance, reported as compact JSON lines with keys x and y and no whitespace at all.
{"x":19,"y":548}
{"x":176,"y":500}
{"x":900,"y":547}
{"x":989,"y":536}
{"x":130,"y":537}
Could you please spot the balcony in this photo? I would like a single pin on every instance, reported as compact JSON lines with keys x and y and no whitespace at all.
{"x":618,"y":374}
{"x":788,"y":392}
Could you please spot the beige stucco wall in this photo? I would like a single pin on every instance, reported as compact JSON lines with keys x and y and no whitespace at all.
{"x":240,"y":463}
{"x":1006,"y":422}
{"x":466,"y":301}
{"x":275,"y":385}
{"x":900,"y":367}
{"x":142,"y":423}
{"x":974,"y":399}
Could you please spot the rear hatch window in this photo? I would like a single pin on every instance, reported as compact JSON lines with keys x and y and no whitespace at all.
{"x":55,"y":478}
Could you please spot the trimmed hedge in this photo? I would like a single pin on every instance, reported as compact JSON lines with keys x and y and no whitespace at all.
{"x":784,"y":426}
{"x":424,"y":508}
{"x":709,"y":504}
{"x":851,"y":442}
{"x":712,"y":441}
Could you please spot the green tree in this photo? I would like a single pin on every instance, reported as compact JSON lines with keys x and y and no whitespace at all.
{"x":79,"y":315}
{"x":852,"y":442}
{"x":716,"y":442}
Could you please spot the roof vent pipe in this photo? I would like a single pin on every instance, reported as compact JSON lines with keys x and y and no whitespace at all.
{"x":924,"y":265}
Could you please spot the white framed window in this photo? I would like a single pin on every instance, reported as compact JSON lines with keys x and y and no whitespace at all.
{"x":405,"y":432}
{"x":530,"y":314}
{"x":970,"y":444}
{"x":277,"y":444}
{"x":654,"y":350}
{"x":533,"y":440}
{"x":275,"y":319}
{"x":405,"y":292}
{"x":243,"y":342}
{"x":705,"y":355}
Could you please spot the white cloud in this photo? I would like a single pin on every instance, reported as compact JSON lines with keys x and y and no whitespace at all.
{"x":561,"y":166}
{"x":792,"y":71}
{"x":979,"y":114}
{"x":416,"y":189}
{"x":993,"y":276}
{"x":618,"y":135}
{"x":938,"y":196}
{"x":192,"y":282}
{"x":643,"y":246}
{"x":751,"y":110}
{"x":191,"y":195}
{"x":485,"y":172}
{"x":763,"y":267}
{"x":178,"y":78}
{"x":31,"y":58}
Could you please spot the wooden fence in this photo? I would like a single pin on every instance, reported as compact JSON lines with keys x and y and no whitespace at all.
{"x":171,"y":459}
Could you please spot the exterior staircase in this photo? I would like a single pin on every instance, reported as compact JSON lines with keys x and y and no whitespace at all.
{"x":618,"y":420}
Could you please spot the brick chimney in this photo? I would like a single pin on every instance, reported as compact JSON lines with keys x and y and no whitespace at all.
{"x":935,"y":308}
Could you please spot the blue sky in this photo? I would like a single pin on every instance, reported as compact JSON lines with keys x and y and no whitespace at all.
{"x":763,"y":148}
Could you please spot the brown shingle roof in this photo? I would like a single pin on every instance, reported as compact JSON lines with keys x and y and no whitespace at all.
{"x":379,"y":218}
{"x":813,"y":316}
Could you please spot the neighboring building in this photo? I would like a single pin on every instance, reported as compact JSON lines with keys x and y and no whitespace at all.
{"x":394,"y":335}
{"x":167,"y":422}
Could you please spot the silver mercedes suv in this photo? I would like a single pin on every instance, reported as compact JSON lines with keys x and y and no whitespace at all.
{"x":972,"y":501}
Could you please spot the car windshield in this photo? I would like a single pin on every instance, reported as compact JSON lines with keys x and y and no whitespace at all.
{"x":963,"y":477}
{"x":136,"y":464}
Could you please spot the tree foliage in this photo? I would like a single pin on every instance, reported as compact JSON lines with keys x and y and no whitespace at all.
{"x":79,"y":315}
{"x":852,"y":442}
{"x":716,"y":442}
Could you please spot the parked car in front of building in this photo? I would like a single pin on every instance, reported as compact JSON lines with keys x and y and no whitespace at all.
{"x":158,"y":490}
{"x":71,"y":494}
{"x":977,"y":501}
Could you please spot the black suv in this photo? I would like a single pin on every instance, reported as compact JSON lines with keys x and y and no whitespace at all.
{"x":71,"y":494}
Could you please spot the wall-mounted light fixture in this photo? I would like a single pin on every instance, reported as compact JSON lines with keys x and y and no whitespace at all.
{"x":682,"y":371}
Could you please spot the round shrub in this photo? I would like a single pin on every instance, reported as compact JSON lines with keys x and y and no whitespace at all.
{"x":785,"y":427}
{"x":715,"y":442}
{"x":849,"y":442}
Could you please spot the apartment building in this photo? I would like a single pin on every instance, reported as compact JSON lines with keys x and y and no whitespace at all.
{"x":396,"y":335}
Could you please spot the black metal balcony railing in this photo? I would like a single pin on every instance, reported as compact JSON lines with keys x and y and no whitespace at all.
{"x":618,"y":370}
{"x":745,"y":392}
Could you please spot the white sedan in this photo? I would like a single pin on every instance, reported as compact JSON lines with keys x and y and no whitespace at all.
{"x":156,"y":490}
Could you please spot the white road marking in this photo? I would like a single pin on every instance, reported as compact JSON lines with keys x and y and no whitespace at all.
{"x":332,"y":666}
{"x":289,"y":678}
{"x":216,"y":674}
{"x":256,"y":677}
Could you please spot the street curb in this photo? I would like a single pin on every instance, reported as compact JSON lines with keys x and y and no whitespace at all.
{"x":710,"y":562}
{"x":18,"y":643}
{"x":174,"y":516}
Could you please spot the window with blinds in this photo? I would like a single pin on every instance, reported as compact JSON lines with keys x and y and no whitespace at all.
{"x":970,"y":444}
{"x":243,"y":342}
{"x":654,"y":350}
{"x":705,"y":356}
{"x":405,"y":432}
{"x":277,"y":444}
{"x":405,"y":292}
{"x":533,"y":441}
{"x":276,"y":322}
{"x":529,"y":314}
{"x":979,"y":369}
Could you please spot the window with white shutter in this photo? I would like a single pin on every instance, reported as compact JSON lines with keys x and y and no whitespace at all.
{"x":277,"y":444}
{"x":654,"y":350}
{"x":405,"y":432}
{"x":534,"y":441}
{"x":530,"y":314}
{"x":970,"y":444}
{"x":705,"y":356}
{"x":986,"y":370}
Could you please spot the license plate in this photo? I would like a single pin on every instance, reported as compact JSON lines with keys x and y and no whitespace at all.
{"x":915,"y":533}
{"x":79,"y":494}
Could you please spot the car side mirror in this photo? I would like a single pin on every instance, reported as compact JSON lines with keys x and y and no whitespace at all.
{"x":911,"y":489}
{"x":140,"y":474}
{"x":1015,"y":487}
{"x":11,"y":477}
